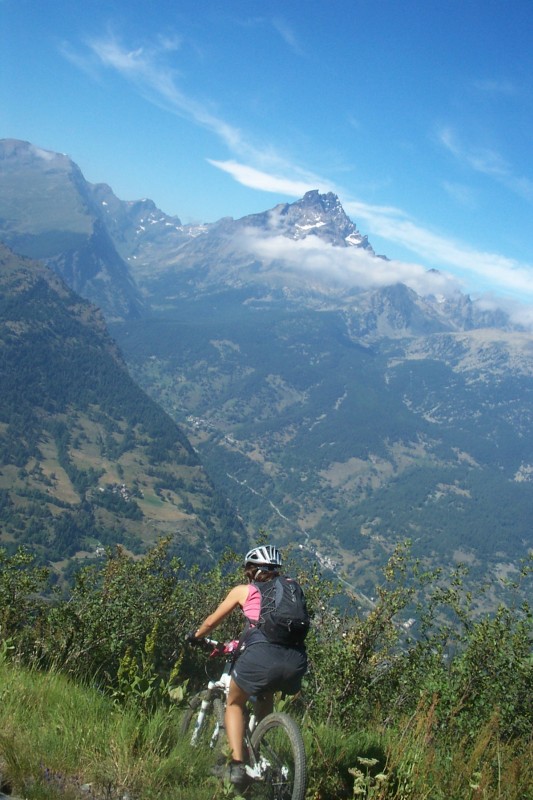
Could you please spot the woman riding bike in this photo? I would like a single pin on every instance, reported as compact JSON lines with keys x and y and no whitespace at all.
{"x":262,"y":668}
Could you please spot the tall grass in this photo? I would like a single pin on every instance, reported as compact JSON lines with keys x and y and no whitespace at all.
{"x":56,"y":737}
{"x":383,"y":718}
{"x":424,"y":763}
{"x":416,"y":760}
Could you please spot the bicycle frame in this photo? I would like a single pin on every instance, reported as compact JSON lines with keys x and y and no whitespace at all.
{"x":255,"y":771}
{"x":265,"y":765}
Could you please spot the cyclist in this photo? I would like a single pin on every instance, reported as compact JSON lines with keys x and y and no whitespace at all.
{"x":262,"y":667}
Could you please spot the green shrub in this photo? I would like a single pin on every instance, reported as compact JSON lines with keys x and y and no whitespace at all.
{"x":386,"y":714}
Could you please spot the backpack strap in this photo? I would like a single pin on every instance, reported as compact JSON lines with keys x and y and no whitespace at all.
{"x":250,"y":624}
{"x":271,"y":593}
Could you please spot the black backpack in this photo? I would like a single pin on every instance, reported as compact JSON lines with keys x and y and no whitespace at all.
{"x":284,"y":618}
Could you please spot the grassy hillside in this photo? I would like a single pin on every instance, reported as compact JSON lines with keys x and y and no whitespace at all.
{"x":62,"y":740}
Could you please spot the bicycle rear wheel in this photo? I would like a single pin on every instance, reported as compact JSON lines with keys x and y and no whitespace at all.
{"x":204,"y":726}
{"x":279,"y":755}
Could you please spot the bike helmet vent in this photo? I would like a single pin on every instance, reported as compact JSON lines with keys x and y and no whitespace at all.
{"x":266,"y":556}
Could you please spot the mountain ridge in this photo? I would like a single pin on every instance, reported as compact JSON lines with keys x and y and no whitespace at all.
{"x":133,"y":245}
{"x":336,"y":406}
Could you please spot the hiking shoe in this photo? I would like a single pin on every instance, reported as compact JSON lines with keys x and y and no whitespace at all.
{"x":235,"y":773}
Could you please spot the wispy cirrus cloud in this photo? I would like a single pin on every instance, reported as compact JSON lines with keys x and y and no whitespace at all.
{"x":255,"y":178}
{"x":287,"y":34}
{"x":496,"y":87}
{"x":481,"y":159}
{"x":461,"y":194}
{"x":146,"y":68}
{"x":486,"y":161}
{"x":264,"y":169}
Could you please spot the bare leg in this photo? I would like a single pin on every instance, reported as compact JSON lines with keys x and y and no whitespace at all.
{"x":234,"y":720}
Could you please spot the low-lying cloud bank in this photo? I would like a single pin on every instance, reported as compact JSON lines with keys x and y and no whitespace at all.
{"x":352,"y":267}
{"x":347,"y":267}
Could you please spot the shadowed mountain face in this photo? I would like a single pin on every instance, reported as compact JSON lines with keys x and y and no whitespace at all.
{"x":47,"y":212}
{"x":334,"y":405}
{"x":86,"y":458}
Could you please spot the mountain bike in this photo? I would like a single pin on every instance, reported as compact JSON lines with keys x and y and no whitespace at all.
{"x":276,"y":766}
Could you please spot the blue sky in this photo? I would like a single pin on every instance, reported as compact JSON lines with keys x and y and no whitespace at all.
{"x":417,"y":113}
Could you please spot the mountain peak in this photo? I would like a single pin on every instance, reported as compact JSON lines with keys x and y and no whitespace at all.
{"x":315,"y":214}
{"x":325,"y":201}
{"x":323,"y":215}
{"x":16,"y":153}
{"x":48,"y":212}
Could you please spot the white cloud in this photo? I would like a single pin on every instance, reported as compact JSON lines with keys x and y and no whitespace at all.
{"x":497,"y":87}
{"x":287,"y":34}
{"x":158,"y":83}
{"x":487,"y":162}
{"x":392,"y":224}
{"x":395,"y":226}
{"x":519,"y":313}
{"x":343,"y":266}
{"x":147,"y":69}
{"x":262,"y":168}
{"x":481,"y":159}
{"x":356,"y":268}
{"x":257,"y":179}
{"x":46,"y":155}
{"x":461,"y":194}
{"x":82,"y":61}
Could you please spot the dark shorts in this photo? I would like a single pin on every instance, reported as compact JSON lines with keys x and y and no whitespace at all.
{"x":265,"y":667}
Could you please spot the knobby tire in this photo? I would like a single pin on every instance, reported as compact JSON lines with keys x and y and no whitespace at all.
{"x":278,"y":746}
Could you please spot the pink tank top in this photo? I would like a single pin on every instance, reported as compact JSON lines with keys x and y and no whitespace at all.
{"x":252,"y":606}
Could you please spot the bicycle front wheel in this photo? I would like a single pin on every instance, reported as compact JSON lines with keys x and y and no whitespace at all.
{"x":279,"y":756}
{"x":203,"y":722}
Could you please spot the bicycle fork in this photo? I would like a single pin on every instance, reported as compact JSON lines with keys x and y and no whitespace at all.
{"x":221,"y":683}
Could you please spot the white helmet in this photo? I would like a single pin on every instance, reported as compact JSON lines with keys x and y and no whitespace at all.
{"x":266,"y":556}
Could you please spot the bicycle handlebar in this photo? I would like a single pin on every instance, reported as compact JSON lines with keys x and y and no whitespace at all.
{"x":217,"y":648}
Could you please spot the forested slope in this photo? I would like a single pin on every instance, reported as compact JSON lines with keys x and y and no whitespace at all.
{"x":86,"y":458}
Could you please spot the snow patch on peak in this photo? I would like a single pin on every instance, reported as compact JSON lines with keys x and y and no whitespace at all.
{"x":353,"y":239}
{"x":194,"y":230}
{"x":318,"y":224}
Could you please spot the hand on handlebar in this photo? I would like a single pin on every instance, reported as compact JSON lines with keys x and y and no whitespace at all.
{"x":201,"y":641}
{"x":215,"y":648}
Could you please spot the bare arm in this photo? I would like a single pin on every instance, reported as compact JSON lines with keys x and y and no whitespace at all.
{"x":236,"y":597}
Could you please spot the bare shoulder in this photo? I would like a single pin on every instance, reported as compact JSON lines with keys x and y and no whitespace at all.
{"x":239,"y":593}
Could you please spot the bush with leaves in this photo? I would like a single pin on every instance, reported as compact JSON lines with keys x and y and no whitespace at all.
{"x":126,"y":608}
{"x":20,"y":581}
{"x":463,"y":685}
{"x":492,"y":674}
{"x":350,"y":651}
